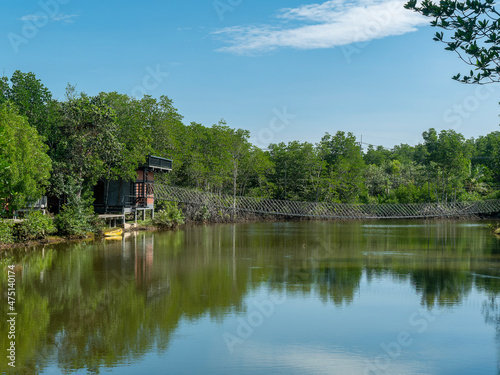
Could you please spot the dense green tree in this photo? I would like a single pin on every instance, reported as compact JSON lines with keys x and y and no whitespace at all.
{"x":297,"y":170}
{"x":33,"y":100}
{"x":239,"y":151}
{"x":484,"y":149}
{"x":87,"y":148}
{"x":5,"y":181}
{"x":4,"y":89}
{"x":254,"y":172}
{"x":404,"y":153}
{"x":431,"y":145}
{"x":107,"y":136}
{"x":343,"y":179}
{"x":132,"y":129}
{"x":376,"y":181}
{"x":486,"y":154}
{"x":167,"y":126}
{"x":147,"y":126}
{"x":202,"y":156}
{"x":475,"y":181}
{"x":376,"y":156}
{"x":217,"y":159}
{"x":448,"y":161}
{"x":24,"y":164}
{"x":395,"y":181}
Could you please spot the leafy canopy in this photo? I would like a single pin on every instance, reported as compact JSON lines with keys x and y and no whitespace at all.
{"x":24,"y":164}
{"x":475,"y":34}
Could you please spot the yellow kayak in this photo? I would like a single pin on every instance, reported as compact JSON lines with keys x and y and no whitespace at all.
{"x":114,"y":233}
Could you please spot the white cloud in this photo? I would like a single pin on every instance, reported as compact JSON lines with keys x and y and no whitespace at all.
{"x":60,"y":17}
{"x":300,"y":359}
{"x":326,"y":25}
{"x":33,"y":17}
{"x":66,"y":18}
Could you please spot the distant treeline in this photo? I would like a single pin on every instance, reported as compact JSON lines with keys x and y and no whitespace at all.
{"x":62,"y":148}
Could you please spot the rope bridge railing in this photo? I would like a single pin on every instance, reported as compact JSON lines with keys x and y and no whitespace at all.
{"x":326,"y":210}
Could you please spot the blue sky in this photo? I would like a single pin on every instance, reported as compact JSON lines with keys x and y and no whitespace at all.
{"x":285,"y":70}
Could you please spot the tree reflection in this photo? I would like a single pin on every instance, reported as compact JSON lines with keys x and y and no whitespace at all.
{"x":441,"y":287}
{"x":109,"y":303}
{"x":95,"y":305}
{"x":491,"y":312}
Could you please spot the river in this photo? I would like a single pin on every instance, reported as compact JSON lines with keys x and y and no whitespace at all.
{"x":345,"y":297}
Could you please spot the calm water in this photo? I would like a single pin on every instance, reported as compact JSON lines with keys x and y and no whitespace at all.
{"x":372,"y":297}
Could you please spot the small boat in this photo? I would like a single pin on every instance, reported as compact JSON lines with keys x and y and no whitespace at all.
{"x":114,"y":233}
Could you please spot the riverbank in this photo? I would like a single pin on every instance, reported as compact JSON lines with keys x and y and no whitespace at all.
{"x":53,"y":240}
{"x":148,"y":225}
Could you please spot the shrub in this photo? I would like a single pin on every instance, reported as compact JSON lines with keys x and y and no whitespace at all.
{"x":72,"y":221}
{"x":35,"y":226}
{"x":145,"y":223}
{"x":168,"y":217}
{"x":78,"y":219}
{"x":6,"y":232}
{"x":203,"y":214}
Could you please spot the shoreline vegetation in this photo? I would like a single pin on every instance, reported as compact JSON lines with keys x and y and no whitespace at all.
{"x":63,"y":148}
{"x":170,"y":217}
{"x":129,"y":227}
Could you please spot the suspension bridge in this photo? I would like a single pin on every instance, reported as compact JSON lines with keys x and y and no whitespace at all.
{"x":325,"y":210}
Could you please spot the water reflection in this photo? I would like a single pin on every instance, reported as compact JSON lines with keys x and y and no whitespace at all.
{"x":105,"y":304}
